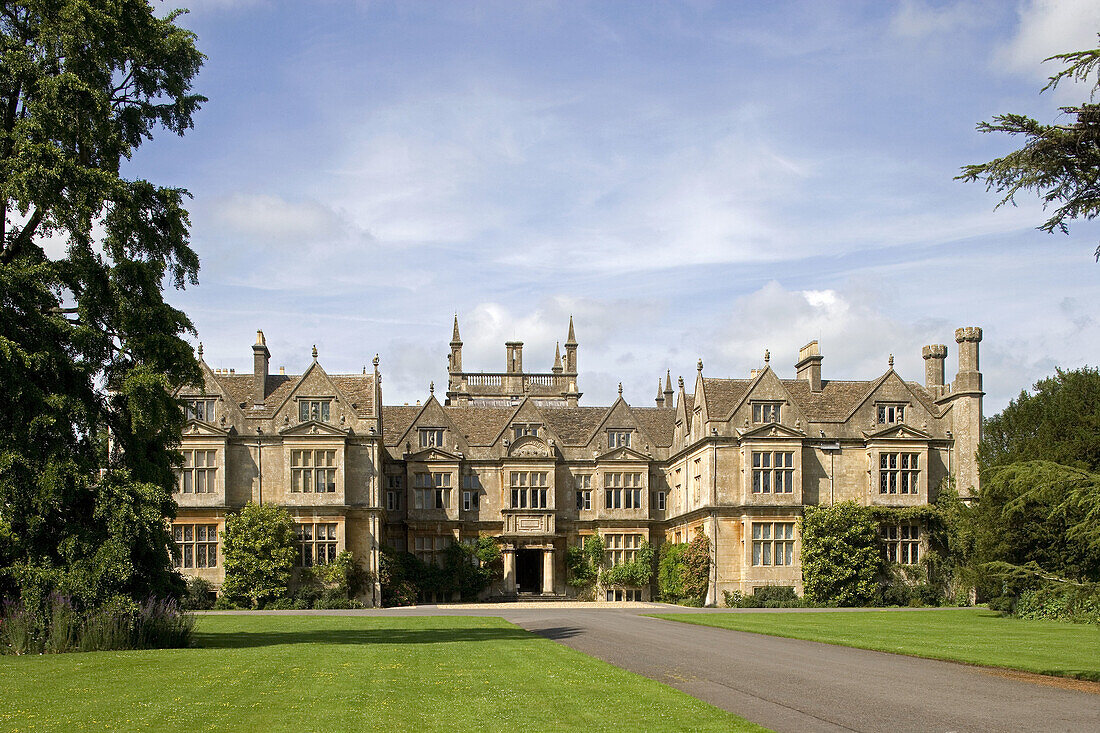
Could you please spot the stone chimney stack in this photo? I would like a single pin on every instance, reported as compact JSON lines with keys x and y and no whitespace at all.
{"x":809,"y":365}
{"x":260,"y":358}
{"x":934,"y":356}
{"x":969,"y":378}
{"x":515,"y":357}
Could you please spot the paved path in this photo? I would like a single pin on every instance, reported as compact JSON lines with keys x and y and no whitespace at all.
{"x":794,"y":685}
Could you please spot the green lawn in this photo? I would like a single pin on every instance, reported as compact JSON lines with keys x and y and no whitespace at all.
{"x":973,"y":635}
{"x":323,"y":673}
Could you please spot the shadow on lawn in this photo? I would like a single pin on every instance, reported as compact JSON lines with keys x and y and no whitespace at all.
{"x":244,"y":639}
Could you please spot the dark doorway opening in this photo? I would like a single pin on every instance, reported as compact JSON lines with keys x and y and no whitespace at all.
{"x":529,"y":571}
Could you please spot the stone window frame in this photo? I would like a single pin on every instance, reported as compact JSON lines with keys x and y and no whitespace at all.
{"x":436,"y":491}
{"x":429,"y":548}
{"x":186,"y":536}
{"x":766,"y":471}
{"x":900,"y":470}
{"x":619,"y":437}
{"x":891,"y":413}
{"x":318,"y":408}
{"x":431,"y":437}
{"x":623,"y":490}
{"x":209,"y":408}
{"x":902,"y":542}
{"x":661,"y":503}
{"x":772,"y":544}
{"x":621,"y":547}
{"x":299,"y":469}
{"x":529,"y":489}
{"x":765,"y":412}
{"x":208,"y":471}
{"x":317,"y":545}
{"x":521,"y":430}
{"x":582,"y":487}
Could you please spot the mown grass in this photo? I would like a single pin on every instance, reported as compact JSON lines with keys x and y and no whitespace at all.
{"x":323,"y":673}
{"x":973,"y":636}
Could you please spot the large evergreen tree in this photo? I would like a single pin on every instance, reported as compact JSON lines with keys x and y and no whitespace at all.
{"x":1059,"y":162}
{"x":88,"y":346}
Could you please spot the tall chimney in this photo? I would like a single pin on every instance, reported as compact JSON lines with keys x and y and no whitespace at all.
{"x":934,"y":356}
{"x":260,"y":357}
{"x":515,"y":357}
{"x":809,"y":365}
{"x":969,"y":379}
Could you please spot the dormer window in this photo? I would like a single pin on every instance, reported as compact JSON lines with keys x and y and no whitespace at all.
{"x":431,"y":437}
{"x":520,"y":430}
{"x":313,"y":410}
{"x":618,"y":438}
{"x":891,"y":414}
{"x":765,"y":412}
{"x":201,"y":410}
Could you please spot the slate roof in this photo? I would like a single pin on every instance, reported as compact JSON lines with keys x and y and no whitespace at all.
{"x":359,"y":388}
{"x":480,"y":425}
{"x":723,"y":395}
{"x":396,"y":419}
{"x":574,"y":425}
{"x":659,"y":423}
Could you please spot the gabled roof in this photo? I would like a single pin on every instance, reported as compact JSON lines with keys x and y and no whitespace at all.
{"x":659,"y":423}
{"x":574,"y":425}
{"x":724,"y":395}
{"x":396,"y":419}
{"x":480,"y":425}
{"x":357,"y":388}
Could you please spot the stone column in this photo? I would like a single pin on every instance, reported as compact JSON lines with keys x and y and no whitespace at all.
{"x":509,"y":570}
{"x":548,"y":572}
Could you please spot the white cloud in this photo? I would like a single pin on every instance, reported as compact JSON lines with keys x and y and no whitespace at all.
{"x":1049,"y":27}
{"x":273,"y":219}
{"x":917,"y":19}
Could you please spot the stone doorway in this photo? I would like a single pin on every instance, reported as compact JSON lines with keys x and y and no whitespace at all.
{"x":528,"y":570}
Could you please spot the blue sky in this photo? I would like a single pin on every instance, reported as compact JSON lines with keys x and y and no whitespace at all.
{"x":689,"y":180}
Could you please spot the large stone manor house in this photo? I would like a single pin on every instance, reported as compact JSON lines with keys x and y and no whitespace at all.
{"x":516,"y":455}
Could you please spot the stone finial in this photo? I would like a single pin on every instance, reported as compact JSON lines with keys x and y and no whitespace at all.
{"x":571,"y":338}
{"x":200,"y":351}
{"x":374,"y":361}
{"x":455,"y":338}
{"x":699,"y":366}
{"x":890,"y":361}
{"x":620,"y":389}
{"x":668,"y":380}
{"x":431,"y":387}
{"x":315,"y":352}
{"x":680,"y":382}
{"x":767,"y":356}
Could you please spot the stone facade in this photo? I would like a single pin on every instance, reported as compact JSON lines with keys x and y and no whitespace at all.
{"x":513,"y":455}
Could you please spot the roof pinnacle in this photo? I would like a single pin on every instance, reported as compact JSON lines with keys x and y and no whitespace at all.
{"x":620,"y":389}
{"x":571,"y":340}
{"x":668,"y":380}
{"x":891,"y":361}
{"x":455,"y":338}
{"x":767,"y":356}
{"x":699,"y":366}
{"x":315,"y":352}
{"x":200,"y":351}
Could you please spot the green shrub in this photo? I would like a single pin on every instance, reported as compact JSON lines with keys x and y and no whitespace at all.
{"x":841,"y":555}
{"x":1077,"y":604}
{"x":583,"y":563}
{"x":670,"y":572}
{"x":199,"y":596}
{"x":638,"y":572}
{"x":697,"y":567}
{"x":120,"y":623}
{"x":769,"y":596}
{"x":260,"y":550}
